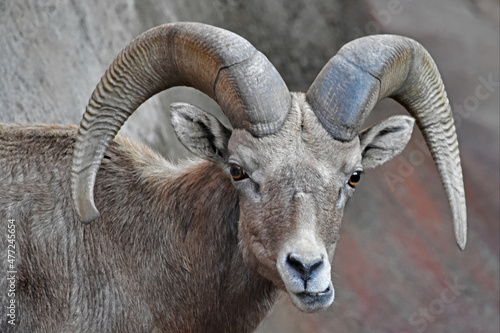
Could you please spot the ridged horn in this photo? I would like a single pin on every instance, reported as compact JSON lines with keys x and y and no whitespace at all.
{"x":371,"y":68}
{"x":223,"y":65}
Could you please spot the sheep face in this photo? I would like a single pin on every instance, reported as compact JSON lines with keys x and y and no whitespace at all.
{"x":292,"y":187}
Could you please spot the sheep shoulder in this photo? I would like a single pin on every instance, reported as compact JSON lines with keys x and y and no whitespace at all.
{"x":163,"y":255}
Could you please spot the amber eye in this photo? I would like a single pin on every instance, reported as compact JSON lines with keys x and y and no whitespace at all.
{"x":237,"y":172}
{"x":355,"y":178}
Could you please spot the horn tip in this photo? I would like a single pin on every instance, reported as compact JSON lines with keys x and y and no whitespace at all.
{"x":82,"y":191}
{"x":461,"y":236}
{"x":461,"y":242}
{"x":86,"y":210}
{"x":89,"y":216}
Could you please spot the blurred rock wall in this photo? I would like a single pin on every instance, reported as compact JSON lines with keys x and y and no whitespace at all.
{"x":54,"y":52}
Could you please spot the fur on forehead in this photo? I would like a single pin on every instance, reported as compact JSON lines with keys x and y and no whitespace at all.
{"x":301,"y":135}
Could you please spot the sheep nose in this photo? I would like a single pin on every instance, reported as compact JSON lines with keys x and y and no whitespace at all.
{"x":304,"y":267}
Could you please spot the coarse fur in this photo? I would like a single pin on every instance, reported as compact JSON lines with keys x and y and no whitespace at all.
{"x":178,"y":248}
{"x":157,"y":266}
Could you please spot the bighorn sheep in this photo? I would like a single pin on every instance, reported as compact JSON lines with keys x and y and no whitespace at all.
{"x":205,"y":245}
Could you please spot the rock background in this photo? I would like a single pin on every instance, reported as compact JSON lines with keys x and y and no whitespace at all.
{"x":396,"y":259}
{"x":53,"y":54}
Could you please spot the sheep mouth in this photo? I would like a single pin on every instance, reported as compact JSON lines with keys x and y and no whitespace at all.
{"x":312,"y":301}
{"x":309,"y":294}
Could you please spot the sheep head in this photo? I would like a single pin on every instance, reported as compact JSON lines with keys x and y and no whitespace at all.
{"x":294,"y":158}
{"x":292,"y":187}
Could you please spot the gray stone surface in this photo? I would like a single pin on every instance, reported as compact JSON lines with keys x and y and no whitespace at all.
{"x":54,"y":52}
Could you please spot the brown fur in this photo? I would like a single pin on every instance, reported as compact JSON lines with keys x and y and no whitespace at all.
{"x":163,"y":257}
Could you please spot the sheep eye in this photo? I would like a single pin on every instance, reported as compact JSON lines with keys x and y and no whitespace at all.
{"x":355,"y":178}
{"x":237,"y":172}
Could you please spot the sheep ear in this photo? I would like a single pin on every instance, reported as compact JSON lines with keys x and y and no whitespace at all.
{"x":385,"y":140}
{"x":200,"y":132}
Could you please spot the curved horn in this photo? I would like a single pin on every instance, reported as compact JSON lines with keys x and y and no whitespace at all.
{"x":217,"y":62}
{"x":372,"y":68}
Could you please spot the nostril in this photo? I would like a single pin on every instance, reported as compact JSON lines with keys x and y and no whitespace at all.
{"x":305,"y":269}
{"x":316,"y":265}
{"x":293,"y":261}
